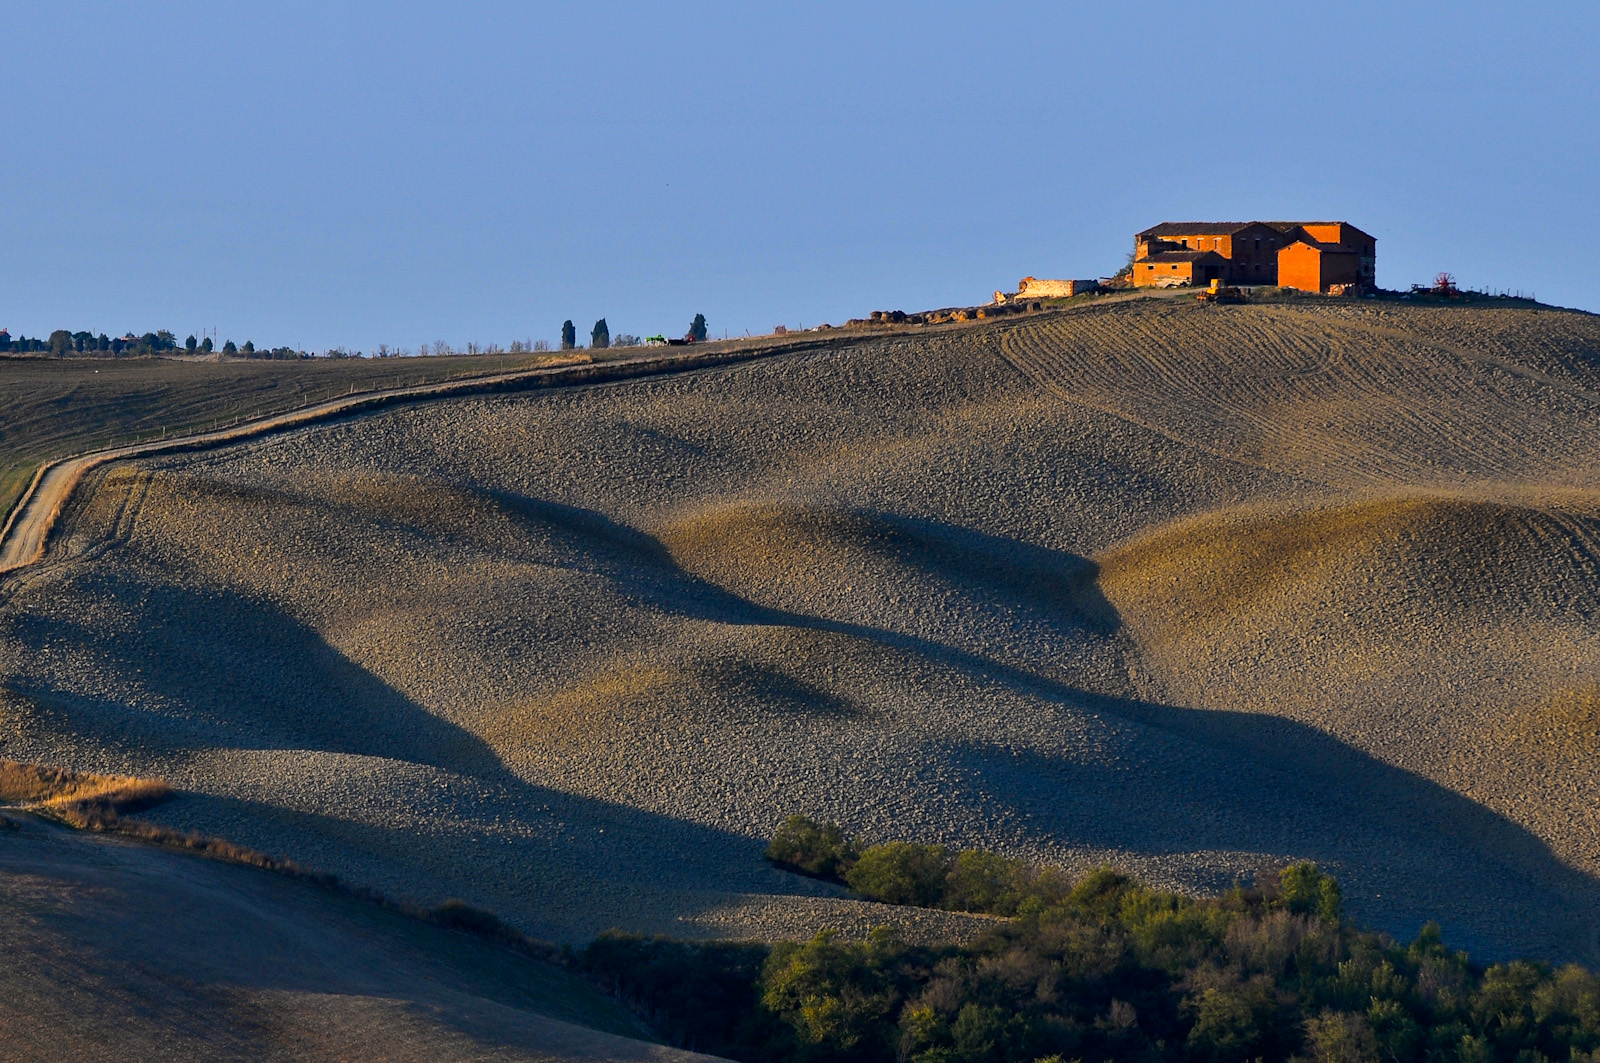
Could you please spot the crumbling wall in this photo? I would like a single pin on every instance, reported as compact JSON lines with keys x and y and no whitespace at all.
{"x":1033,"y":287}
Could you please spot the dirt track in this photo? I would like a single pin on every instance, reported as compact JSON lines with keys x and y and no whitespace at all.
{"x":27,"y":529}
{"x":1185,"y":588}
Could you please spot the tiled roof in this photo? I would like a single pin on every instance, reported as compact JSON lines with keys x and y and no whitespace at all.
{"x":1334,"y":249}
{"x":1196,"y":228}
{"x":1228,"y":228}
{"x":1290,"y":226}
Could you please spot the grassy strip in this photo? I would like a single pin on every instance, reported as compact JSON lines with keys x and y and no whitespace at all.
{"x":77,"y":799}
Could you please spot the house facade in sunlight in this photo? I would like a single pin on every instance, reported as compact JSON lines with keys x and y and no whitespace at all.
{"x":1314,"y":256}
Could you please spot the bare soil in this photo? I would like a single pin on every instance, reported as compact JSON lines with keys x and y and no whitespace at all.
{"x":119,"y":951}
{"x":1188,"y":589}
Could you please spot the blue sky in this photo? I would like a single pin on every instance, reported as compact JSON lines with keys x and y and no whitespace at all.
{"x":323,"y":174}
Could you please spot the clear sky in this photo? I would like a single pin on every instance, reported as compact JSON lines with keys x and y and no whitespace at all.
{"x":320,"y":174}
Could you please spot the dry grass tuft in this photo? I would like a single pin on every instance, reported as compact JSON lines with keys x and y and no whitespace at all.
{"x":101,"y":803}
{"x":79,"y":799}
{"x":98,"y":803}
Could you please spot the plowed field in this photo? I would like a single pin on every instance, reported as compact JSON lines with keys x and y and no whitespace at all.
{"x":1188,"y":589}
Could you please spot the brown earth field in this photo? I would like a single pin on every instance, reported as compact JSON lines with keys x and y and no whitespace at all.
{"x":53,"y":407}
{"x":119,"y":951}
{"x":1187,"y":589}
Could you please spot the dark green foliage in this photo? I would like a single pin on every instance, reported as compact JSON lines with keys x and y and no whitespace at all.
{"x":701,"y":996}
{"x":812,"y":848}
{"x":1306,"y":889}
{"x":229,"y":348}
{"x":1100,"y":969}
{"x":63,"y":342}
{"x":600,"y":335}
{"x":841,"y":1001}
{"x":1116,"y":971}
{"x":191,"y":344}
{"x":207,"y":346}
{"x":987,"y":882}
{"x":569,"y":335}
{"x":697,"y":329}
{"x":927,"y":876}
{"x":902,"y":873}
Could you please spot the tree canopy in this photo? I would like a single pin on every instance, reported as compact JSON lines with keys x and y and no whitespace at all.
{"x":1095,"y":968}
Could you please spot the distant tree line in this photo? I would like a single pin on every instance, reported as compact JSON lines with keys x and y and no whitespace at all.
{"x":63,"y":343}
{"x":1097,"y":968}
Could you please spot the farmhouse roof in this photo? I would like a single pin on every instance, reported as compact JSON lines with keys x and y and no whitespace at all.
{"x":1328,"y":249}
{"x":1290,"y":226}
{"x":1180,"y":256}
{"x":1200,"y":228}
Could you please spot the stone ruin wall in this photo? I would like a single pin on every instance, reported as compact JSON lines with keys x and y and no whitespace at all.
{"x":1034,"y":288}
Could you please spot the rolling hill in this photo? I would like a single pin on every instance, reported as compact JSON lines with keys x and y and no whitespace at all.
{"x":1188,"y":589}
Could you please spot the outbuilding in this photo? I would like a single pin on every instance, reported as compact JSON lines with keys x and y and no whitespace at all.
{"x":1172,"y":269}
{"x":1314,"y":266}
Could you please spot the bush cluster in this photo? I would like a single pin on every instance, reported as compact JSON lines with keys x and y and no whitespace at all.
{"x":1101,"y":968}
{"x":927,"y":876}
{"x":821,"y":850}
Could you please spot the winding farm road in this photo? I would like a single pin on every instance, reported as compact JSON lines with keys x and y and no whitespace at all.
{"x":27,"y":533}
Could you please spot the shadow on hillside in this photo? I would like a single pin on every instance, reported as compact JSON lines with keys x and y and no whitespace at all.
{"x":1055,"y":590}
{"x":1231,"y":782}
{"x":222,"y":671}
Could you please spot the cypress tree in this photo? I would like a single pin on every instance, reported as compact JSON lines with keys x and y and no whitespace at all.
{"x":600,"y":335}
{"x":569,"y":336}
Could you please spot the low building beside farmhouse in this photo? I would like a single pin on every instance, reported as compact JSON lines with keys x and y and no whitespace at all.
{"x":1172,"y":269}
{"x":1310,"y":255}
